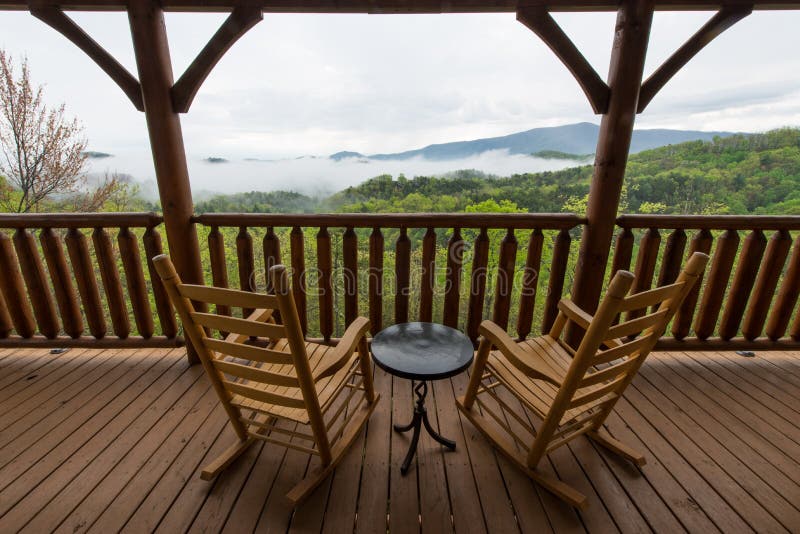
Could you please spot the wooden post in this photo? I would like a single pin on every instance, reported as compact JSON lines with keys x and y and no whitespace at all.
{"x":166,"y":139}
{"x":631,"y":36}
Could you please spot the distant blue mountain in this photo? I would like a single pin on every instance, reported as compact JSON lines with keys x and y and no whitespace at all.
{"x":580,"y":138}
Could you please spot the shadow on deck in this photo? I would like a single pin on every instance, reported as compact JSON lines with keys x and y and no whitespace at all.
{"x":108,"y":440}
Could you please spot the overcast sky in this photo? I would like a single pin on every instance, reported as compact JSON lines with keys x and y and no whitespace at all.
{"x":317,"y":84}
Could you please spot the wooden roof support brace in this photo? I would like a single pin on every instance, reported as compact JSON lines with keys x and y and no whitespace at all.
{"x":56,"y":19}
{"x":241,"y":19}
{"x":539,"y":21}
{"x":724,"y":19}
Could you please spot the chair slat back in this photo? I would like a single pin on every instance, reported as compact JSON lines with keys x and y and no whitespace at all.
{"x":609,"y":355}
{"x":235,"y":368}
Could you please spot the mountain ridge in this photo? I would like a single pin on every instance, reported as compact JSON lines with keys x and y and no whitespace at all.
{"x":577,"y":138}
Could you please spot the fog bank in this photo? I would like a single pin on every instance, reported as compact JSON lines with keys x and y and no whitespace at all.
{"x":314,"y":175}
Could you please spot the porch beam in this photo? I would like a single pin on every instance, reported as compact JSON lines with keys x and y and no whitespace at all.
{"x":724,"y":19}
{"x":631,"y":36}
{"x":241,"y":19}
{"x":166,"y":139}
{"x":538,"y":20}
{"x":56,"y":19}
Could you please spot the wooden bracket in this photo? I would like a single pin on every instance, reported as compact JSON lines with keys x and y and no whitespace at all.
{"x":724,"y":19}
{"x":539,"y":21}
{"x":241,"y":19}
{"x":56,"y":19}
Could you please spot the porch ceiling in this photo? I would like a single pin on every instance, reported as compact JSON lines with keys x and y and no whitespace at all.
{"x":402,"y":6}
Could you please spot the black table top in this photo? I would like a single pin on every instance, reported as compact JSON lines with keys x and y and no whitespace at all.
{"x":422,"y":351}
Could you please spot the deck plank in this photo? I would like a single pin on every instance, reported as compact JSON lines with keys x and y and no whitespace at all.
{"x":110,"y":440}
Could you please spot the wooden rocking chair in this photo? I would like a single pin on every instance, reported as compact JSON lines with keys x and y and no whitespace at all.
{"x":277,"y":392}
{"x":570,"y":392}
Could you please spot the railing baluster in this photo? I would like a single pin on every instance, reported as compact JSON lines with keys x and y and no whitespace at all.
{"x":219,"y":264}
{"x":645,"y":266}
{"x":376,"y":280}
{"x":33,"y":272}
{"x":683,"y":318}
{"x":78,"y":250}
{"x":324,"y":284}
{"x":66,"y":298}
{"x":166,"y":317}
{"x":402,"y":269}
{"x":477,"y":284}
{"x":672,"y":260}
{"x":272,"y":254}
{"x":530,"y":284}
{"x":298,"y":252}
{"x":505,"y":279}
{"x":787,"y":297}
{"x":766,"y":283}
{"x":795,"y":331}
{"x":428,"y":278}
{"x":350,"y":274}
{"x":743,"y":280}
{"x":134,"y":275}
{"x":452,"y":292}
{"x":14,"y":290}
{"x":104,"y":251}
{"x":555,"y":287}
{"x":5,"y":319}
{"x":718,"y":276}
{"x":246,"y":263}
{"x":623,"y":254}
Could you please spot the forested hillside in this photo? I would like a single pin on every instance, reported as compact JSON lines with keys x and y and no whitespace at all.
{"x":756,"y":174}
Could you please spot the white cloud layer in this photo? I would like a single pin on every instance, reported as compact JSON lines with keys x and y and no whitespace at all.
{"x":317,"y":84}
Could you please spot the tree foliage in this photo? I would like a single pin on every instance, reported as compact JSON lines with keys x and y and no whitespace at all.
{"x":41,"y":151}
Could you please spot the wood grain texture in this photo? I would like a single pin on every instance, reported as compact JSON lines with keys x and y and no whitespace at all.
{"x":743,"y":281}
{"x":530,"y":283}
{"x":115,"y":299}
{"x":30,"y":262}
{"x":134,"y":276}
{"x":85,"y":279}
{"x":13,"y":289}
{"x":477,"y":284}
{"x":375,"y":280}
{"x":701,"y":242}
{"x":428,"y":275}
{"x":402,"y":270}
{"x":452,"y":290}
{"x":718,"y":277}
{"x":66,"y":297}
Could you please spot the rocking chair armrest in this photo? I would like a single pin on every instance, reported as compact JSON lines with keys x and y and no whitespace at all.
{"x":263,"y":315}
{"x":514,"y":354}
{"x":336,"y":358}
{"x":575,"y":314}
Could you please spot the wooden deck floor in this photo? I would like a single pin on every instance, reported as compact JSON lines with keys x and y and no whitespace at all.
{"x":113,"y":440}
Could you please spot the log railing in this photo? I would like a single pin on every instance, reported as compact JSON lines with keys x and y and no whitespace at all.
{"x":451,"y":268}
{"x":749,"y":294}
{"x":67,"y":282}
{"x":86,"y":279}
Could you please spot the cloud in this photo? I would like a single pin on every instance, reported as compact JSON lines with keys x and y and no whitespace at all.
{"x":316,"y":84}
{"x":321,"y":175}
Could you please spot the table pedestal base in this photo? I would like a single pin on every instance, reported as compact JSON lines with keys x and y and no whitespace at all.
{"x":420,"y":418}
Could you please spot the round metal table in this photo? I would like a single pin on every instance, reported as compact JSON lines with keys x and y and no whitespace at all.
{"x":421,"y":352}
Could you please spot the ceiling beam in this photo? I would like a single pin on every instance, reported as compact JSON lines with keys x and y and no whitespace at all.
{"x":56,"y":19}
{"x":409,"y":6}
{"x":241,"y":19}
{"x":539,"y":21}
{"x":724,"y":19}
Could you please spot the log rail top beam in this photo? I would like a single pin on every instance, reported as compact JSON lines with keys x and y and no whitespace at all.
{"x":409,"y":7}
